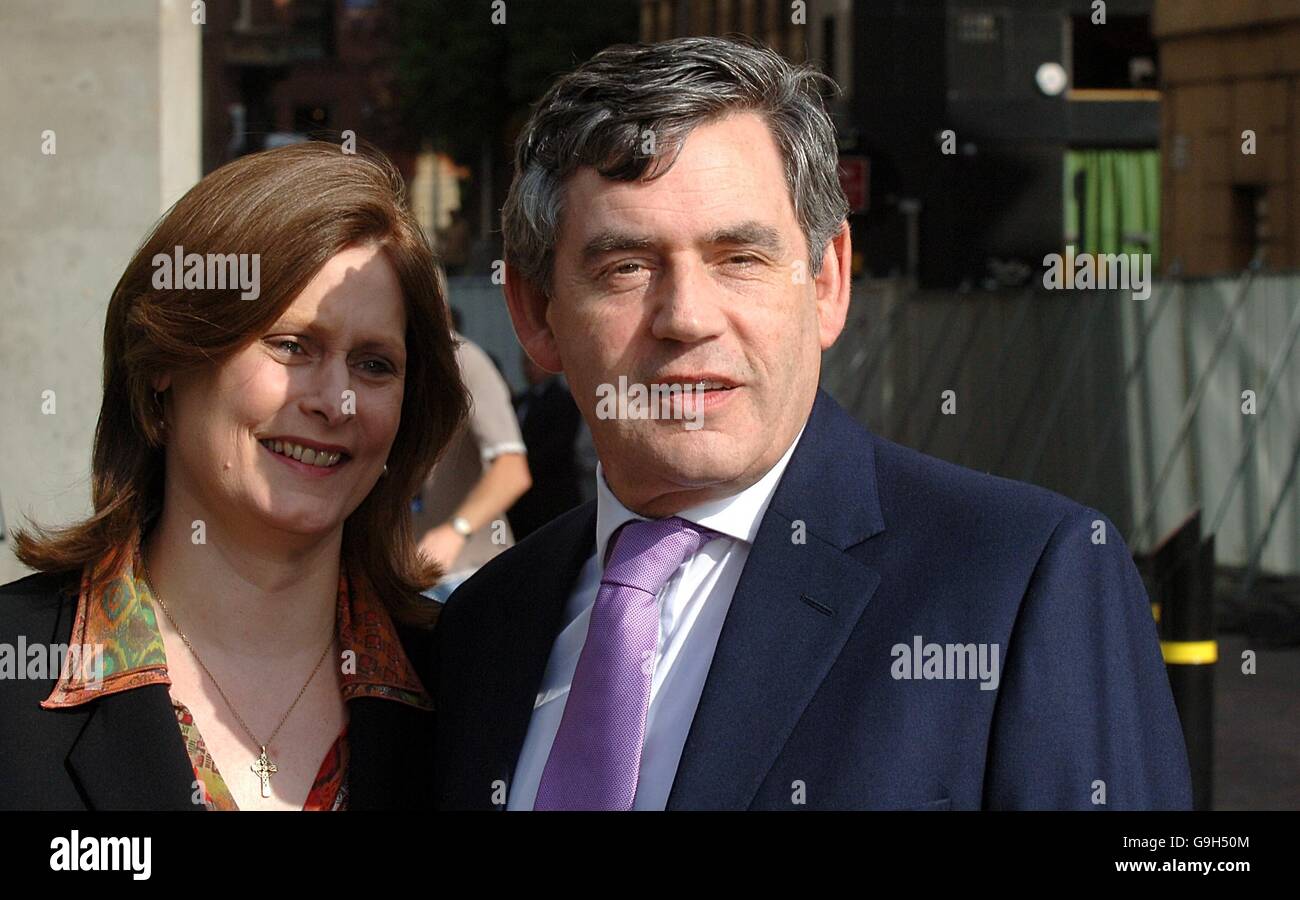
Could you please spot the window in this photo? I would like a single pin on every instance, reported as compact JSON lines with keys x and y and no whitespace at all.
{"x":1250,"y":231}
{"x":1119,"y":55}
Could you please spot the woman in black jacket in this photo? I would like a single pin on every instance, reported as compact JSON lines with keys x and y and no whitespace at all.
{"x":238,"y":622}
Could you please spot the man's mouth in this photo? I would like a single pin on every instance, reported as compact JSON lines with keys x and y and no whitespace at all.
{"x":699,"y":382}
{"x":308,"y":454}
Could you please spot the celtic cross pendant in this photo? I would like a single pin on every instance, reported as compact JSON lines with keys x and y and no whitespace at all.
{"x":264,"y":769}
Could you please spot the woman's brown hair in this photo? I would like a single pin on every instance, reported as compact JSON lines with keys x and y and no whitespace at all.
{"x":296,"y":207}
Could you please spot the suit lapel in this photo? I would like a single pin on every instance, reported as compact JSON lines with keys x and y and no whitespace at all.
{"x":130,"y":754}
{"x":792,"y":612}
{"x":512,"y":649}
{"x":533,"y":634}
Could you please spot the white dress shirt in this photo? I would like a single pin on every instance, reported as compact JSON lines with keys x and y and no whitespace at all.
{"x":692,"y":607}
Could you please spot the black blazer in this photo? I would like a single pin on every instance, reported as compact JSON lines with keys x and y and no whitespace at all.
{"x":125,"y":752}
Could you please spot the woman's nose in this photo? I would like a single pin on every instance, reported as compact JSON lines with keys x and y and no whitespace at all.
{"x":329,"y":395}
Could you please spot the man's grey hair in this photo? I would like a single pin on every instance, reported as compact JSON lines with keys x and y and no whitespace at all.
{"x":601,"y":113}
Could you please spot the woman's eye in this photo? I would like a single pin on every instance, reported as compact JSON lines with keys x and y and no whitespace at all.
{"x":293,"y":348}
{"x":376,"y":367}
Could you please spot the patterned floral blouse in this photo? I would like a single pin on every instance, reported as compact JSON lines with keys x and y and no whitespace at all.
{"x":122,"y":620}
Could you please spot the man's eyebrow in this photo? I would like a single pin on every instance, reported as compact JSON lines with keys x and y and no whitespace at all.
{"x":749,"y":234}
{"x":608,"y":241}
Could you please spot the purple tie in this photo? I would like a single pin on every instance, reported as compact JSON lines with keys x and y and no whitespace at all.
{"x":596,"y":756}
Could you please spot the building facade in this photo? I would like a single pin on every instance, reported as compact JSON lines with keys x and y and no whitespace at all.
{"x":1231,"y":133}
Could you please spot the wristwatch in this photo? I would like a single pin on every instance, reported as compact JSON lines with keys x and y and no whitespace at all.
{"x":461,"y":526}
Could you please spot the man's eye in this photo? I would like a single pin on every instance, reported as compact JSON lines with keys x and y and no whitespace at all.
{"x":743,"y":259}
{"x":625,"y":276}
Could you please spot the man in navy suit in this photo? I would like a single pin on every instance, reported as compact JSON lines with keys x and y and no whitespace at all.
{"x":766,"y":606}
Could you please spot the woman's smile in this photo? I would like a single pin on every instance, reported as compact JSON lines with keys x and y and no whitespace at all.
{"x":308,"y":459}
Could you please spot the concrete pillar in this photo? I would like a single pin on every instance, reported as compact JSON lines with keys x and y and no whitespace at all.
{"x":100,"y":135}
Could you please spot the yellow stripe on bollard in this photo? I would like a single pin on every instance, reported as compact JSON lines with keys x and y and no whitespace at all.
{"x":1155,"y":612}
{"x":1190,"y":653}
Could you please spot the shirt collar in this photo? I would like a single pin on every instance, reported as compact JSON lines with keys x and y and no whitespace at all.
{"x":737,"y":516}
{"x":121,"y":624}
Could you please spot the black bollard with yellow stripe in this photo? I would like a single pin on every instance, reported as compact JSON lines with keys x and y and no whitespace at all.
{"x":1181,"y":589}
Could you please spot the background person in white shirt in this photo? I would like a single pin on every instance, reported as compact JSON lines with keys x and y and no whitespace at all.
{"x":459,"y":516}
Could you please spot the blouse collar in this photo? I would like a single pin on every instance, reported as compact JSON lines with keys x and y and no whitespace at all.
{"x":116,"y":645}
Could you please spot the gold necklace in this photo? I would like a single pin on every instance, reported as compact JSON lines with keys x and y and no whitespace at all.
{"x":263,"y":768}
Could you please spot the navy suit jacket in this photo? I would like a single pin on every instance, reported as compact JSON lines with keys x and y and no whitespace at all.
{"x":802,"y":707}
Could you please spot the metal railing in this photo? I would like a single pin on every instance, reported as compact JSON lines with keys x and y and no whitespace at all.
{"x":1074,"y":390}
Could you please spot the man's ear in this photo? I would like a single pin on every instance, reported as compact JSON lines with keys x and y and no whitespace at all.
{"x":833,"y":285}
{"x":528,"y":306}
{"x":161,"y":382}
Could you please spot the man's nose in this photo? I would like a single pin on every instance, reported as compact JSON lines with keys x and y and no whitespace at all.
{"x":687,"y":304}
